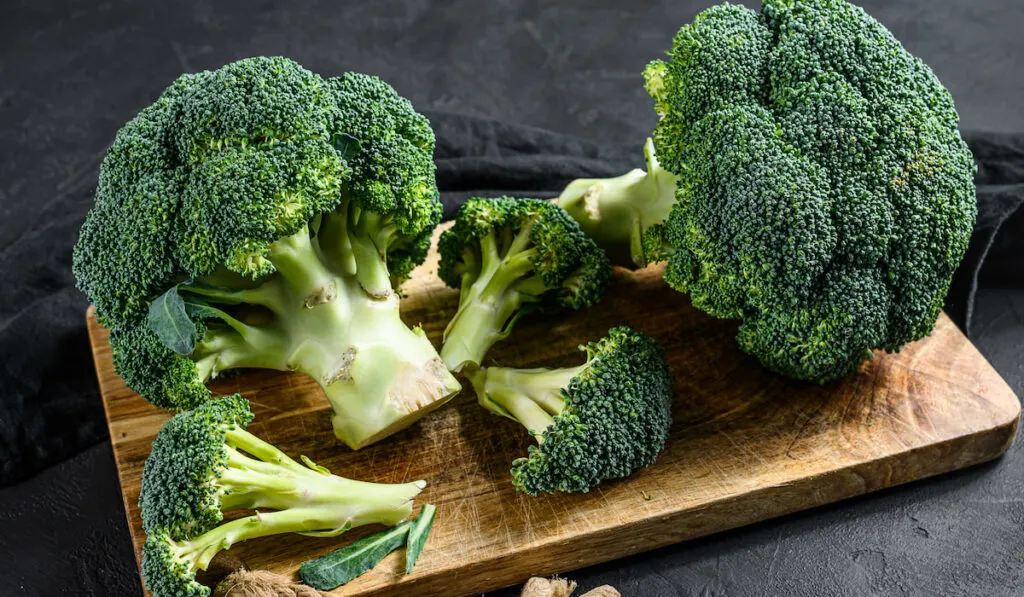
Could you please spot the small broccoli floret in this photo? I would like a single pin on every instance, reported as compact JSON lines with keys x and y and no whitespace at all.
{"x":511,"y":256}
{"x":260,"y":216}
{"x":604,"y":419}
{"x":823,"y":195}
{"x":204,"y":463}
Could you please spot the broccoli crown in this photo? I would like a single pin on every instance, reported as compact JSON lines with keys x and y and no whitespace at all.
{"x":824,"y":194}
{"x":602,"y":420}
{"x":168,"y":574}
{"x":510,"y":256}
{"x":226,"y":163}
{"x":180,"y":493}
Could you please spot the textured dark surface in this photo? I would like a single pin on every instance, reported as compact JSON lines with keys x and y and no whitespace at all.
{"x":72,"y":72}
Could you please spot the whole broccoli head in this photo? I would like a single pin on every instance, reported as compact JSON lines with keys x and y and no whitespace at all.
{"x":204,"y":463}
{"x":509,"y":257}
{"x":259,"y":216}
{"x":604,"y":419}
{"x":823,"y":194}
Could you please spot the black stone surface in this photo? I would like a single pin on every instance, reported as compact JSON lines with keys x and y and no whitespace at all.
{"x":72,"y":71}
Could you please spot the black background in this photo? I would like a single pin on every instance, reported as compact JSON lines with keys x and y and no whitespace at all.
{"x":491,"y":75}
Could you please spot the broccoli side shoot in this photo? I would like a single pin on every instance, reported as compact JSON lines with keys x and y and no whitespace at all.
{"x":204,"y":463}
{"x":604,"y":419}
{"x":508,"y":257}
{"x":260,"y":216}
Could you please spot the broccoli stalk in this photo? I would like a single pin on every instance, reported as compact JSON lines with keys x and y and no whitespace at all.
{"x":604,"y":419}
{"x":625,"y":215}
{"x":205,"y":463}
{"x":490,"y":299}
{"x":328,"y":312}
{"x":508,"y":257}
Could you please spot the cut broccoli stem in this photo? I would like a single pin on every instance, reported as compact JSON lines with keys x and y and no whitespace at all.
{"x":265,"y":451}
{"x":267,"y":295}
{"x":618,"y":212}
{"x":223,"y":348}
{"x":490,"y":305}
{"x":378,"y":374}
{"x":264,"y":477}
{"x":392,"y":375}
{"x":533,"y":397}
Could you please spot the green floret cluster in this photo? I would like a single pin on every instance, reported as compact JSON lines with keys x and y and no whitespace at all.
{"x":509,"y":257}
{"x":261,"y":216}
{"x":604,"y":419}
{"x":204,"y":463}
{"x":823,"y":194}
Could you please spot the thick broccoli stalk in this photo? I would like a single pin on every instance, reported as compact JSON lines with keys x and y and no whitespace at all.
{"x":625,"y":215}
{"x":604,"y":419}
{"x":204,"y":463}
{"x":261,"y":216}
{"x":378,"y":374}
{"x":508,"y":257}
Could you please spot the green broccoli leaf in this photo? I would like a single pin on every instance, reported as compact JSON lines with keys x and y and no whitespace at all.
{"x":346,"y":145}
{"x":418,"y":535}
{"x":169,"y":319}
{"x":342,"y":565}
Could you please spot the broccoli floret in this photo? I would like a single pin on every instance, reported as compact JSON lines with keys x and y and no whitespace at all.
{"x":604,"y":419}
{"x":823,"y":196}
{"x":509,"y":257}
{"x":260,"y":216}
{"x":204,"y":463}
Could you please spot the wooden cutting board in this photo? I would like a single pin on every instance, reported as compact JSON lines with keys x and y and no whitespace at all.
{"x":746,"y":445}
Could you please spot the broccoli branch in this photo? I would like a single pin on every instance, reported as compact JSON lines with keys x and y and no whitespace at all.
{"x":492,"y":298}
{"x":533,"y":397}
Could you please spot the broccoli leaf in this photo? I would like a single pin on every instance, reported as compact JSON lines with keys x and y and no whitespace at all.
{"x":169,"y":319}
{"x":346,"y":145}
{"x":342,"y":565}
{"x":418,"y":535}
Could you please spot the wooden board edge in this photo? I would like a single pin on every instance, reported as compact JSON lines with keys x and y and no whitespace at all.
{"x":685,"y":525}
{"x":92,"y":325}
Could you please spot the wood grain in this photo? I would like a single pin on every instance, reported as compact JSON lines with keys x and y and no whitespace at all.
{"x":746,"y":445}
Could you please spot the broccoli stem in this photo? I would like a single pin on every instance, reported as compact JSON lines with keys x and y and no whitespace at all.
{"x":267,"y":478}
{"x":618,"y":212}
{"x":533,"y":397}
{"x":379,"y":375}
{"x":329,"y":518}
{"x":393,"y":376}
{"x":489,"y":306}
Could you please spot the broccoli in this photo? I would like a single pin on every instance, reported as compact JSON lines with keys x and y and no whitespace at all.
{"x":604,"y":419}
{"x":204,"y":463}
{"x":260,"y":216}
{"x":823,"y":194}
{"x":511,"y":256}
